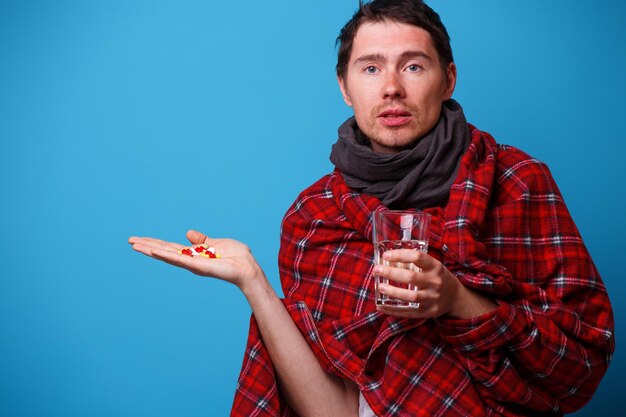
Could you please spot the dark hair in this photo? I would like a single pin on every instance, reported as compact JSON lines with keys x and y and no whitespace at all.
{"x":412,"y":12}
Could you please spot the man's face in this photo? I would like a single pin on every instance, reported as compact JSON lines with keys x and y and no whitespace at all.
{"x":395,"y":84}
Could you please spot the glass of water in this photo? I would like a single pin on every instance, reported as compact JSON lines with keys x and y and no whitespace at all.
{"x":398,"y":229}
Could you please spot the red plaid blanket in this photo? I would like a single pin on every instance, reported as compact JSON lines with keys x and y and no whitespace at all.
{"x":505,"y":231}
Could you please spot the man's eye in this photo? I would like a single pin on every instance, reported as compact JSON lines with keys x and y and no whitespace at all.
{"x":413,"y":68}
{"x":371,"y":70}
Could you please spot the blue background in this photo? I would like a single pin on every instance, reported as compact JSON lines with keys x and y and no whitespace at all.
{"x":122,"y":118}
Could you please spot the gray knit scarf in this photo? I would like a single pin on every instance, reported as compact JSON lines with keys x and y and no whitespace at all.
{"x":419,"y":177}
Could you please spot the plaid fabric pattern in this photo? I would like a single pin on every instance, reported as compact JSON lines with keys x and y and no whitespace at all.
{"x":505,"y":231}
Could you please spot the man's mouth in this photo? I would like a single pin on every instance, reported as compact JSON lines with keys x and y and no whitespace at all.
{"x":394,"y":117}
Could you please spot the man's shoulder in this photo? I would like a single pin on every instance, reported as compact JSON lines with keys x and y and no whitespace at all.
{"x":506,"y":154}
{"x":512,"y":154}
{"x":520,"y":174}
{"x":315,"y":198}
{"x":516,"y":171}
{"x":321,"y":188}
{"x":512,"y":161}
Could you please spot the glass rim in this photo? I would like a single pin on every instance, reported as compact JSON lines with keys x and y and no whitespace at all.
{"x":415,"y":211}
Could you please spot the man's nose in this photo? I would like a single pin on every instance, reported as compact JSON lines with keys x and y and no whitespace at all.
{"x":393,"y":87}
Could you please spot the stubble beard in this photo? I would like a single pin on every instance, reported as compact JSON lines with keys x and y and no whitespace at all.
{"x":394,"y":138}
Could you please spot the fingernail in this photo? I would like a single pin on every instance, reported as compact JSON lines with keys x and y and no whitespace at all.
{"x":378,"y":269}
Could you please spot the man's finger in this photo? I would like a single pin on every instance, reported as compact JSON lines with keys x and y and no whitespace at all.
{"x":196,"y":237}
{"x":404,"y":294}
{"x":143,"y":248}
{"x":396,"y":273}
{"x":414,"y":313}
{"x":421,"y":259}
{"x":156,"y":243}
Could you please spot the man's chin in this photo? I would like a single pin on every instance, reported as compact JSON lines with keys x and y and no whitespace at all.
{"x":393,"y":145}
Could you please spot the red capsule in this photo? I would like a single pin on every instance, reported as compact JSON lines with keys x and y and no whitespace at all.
{"x":198,"y":249}
{"x":187,"y":252}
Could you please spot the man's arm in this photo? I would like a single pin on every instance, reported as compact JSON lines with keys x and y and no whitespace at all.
{"x":309,"y":390}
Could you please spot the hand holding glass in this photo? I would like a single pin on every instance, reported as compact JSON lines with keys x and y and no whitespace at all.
{"x":395,"y":229}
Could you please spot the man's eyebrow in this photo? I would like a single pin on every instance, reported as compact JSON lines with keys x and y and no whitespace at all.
{"x":382,"y":58}
{"x":415,"y":54}
{"x":370,"y":57}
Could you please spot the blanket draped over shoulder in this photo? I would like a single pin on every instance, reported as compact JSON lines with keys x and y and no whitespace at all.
{"x":506,"y":232}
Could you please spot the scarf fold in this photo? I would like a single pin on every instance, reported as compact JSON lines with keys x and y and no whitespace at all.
{"x":418,"y":177}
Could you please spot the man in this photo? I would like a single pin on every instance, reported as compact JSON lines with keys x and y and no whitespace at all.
{"x":513,"y":318}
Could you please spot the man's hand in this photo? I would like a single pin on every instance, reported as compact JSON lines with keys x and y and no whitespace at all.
{"x":235,"y":265}
{"x":439,"y":291}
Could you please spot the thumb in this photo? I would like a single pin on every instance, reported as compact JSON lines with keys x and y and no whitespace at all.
{"x":196,"y":237}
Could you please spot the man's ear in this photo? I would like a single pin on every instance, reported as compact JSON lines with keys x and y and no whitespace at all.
{"x":451,"y":81}
{"x":344,"y":92}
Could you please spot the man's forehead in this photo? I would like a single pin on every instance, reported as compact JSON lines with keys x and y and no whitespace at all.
{"x":391,"y":37}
